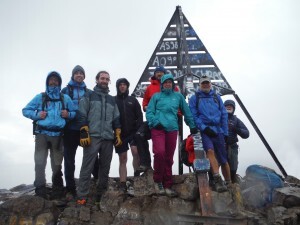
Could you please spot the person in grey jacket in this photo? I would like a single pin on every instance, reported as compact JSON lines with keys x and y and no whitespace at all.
{"x":49,"y":110}
{"x":100,"y":119}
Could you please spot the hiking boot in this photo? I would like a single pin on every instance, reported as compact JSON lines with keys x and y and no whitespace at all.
{"x":136,"y":173}
{"x":171,"y":193}
{"x":219,"y":184}
{"x":98,"y":200}
{"x":142,"y":169}
{"x":41,"y":192}
{"x":123,"y":187}
{"x":71,"y":194}
{"x":57,"y":193}
{"x":159,"y":188}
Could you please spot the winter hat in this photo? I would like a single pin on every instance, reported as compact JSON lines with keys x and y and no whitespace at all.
{"x":77,"y":69}
{"x":161,"y":69}
{"x":230,"y":102}
{"x":204,"y":78}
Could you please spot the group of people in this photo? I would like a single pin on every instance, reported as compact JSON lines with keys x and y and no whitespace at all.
{"x":77,"y":116}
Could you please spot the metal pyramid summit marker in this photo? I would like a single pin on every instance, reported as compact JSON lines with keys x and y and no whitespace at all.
{"x":183,"y":54}
{"x":178,"y":41}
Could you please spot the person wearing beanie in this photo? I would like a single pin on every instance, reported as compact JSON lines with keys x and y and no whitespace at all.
{"x":235,"y":127}
{"x":76,"y":88}
{"x":210,"y":116}
{"x":131,"y":119}
{"x":162,"y":118}
{"x":50,"y":111}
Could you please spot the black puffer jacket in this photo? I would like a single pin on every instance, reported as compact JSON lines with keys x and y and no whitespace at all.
{"x":235,"y":126}
{"x":130,"y":110}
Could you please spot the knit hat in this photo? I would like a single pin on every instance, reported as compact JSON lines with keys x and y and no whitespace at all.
{"x":77,"y":69}
{"x":204,"y":78}
{"x":161,"y":69}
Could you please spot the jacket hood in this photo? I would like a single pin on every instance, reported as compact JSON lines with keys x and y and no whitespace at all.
{"x":230,"y":102}
{"x":122,"y":80}
{"x":53,"y":73}
{"x":167,"y":77}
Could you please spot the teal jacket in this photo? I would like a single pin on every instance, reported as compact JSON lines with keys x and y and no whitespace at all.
{"x":163,"y":108}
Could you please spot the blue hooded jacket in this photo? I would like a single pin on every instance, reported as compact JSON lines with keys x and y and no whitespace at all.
{"x":53,"y":124}
{"x":163,"y":108}
{"x":209,"y":113}
{"x":79,"y":90}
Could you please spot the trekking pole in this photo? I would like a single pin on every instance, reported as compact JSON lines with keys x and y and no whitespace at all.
{"x":260,"y":135}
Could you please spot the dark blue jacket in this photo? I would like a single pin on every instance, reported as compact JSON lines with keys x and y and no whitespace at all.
{"x":236,"y":127}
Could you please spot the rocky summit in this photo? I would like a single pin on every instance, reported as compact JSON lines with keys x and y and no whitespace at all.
{"x":140,"y":205}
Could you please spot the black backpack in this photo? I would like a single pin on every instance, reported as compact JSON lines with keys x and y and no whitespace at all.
{"x":45,"y":99}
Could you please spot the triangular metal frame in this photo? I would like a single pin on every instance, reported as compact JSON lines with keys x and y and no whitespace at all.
{"x":178,"y":41}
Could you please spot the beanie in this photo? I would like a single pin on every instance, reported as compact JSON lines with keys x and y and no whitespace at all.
{"x":161,"y":69}
{"x":77,"y":69}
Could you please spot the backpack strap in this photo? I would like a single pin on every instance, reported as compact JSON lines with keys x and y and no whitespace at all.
{"x":71,"y":91}
{"x":46,"y":98}
{"x":215,"y":97}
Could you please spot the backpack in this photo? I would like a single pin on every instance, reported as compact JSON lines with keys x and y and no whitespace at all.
{"x":187,"y":154}
{"x":70,"y":91}
{"x":45,"y":99}
{"x":198,"y":99}
{"x":260,"y":181}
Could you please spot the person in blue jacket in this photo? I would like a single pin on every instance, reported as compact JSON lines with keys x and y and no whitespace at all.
{"x":162,"y":117}
{"x":210,"y":116}
{"x":235,"y":127}
{"x":50,"y":111}
{"x":76,"y":89}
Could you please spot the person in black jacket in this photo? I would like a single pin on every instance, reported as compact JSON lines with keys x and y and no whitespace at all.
{"x":131,"y":119}
{"x":235,"y":127}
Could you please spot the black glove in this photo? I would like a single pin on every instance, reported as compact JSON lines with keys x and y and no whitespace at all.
{"x":209,"y":132}
{"x":194,"y":130}
{"x":159,"y":127}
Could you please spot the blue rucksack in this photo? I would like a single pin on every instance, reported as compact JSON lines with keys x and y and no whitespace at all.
{"x":260,"y":181}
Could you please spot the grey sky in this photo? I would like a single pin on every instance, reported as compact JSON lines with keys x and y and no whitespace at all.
{"x":254,"y":43}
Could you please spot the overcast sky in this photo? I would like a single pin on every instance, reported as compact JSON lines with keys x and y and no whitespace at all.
{"x":254,"y":43}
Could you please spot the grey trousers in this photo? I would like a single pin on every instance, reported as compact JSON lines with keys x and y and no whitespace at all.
{"x":43,"y":143}
{"x":105,"y":150}
{"x":233,"y":151}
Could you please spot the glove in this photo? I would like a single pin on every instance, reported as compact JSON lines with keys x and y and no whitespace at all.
{"x":118,"y":141}
{"x":159,"y":127}
{"x":85,"y":139}
{"x":209,"y":132}
{"x":194,"y":130}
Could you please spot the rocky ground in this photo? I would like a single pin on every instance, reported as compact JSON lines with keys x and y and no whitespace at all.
{"x":142,"y":206}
